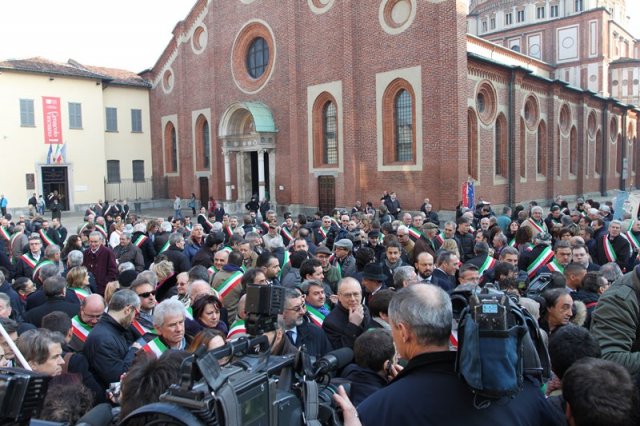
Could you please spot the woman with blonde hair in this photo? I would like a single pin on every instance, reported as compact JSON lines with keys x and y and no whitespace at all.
{"x":450,"y":245}
{"x":78,"y":280}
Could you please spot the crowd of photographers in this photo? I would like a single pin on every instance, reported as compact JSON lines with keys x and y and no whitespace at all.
{"x":111,"y":310}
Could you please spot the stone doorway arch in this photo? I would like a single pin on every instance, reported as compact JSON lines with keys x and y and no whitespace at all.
{"x":248,"y":133}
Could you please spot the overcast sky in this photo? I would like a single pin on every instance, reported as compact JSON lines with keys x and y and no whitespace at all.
{"x":127,"y":34}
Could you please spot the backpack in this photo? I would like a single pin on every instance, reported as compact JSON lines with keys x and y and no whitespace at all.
{"x":499,"y":343}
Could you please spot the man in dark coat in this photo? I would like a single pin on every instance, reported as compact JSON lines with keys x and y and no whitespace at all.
{"x":298,"y":330}
{"x":176,"y":255}
{"x":141,"y":240}
{"x":100,"y":261}
{"x":613,"y":247}
{"x":55,"y":289}
{"x":349,"y":319}
{"x":443,"y":397}
{"x":109,"y":346}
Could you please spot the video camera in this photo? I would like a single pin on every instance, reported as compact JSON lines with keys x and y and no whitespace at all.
{"x":257,"y":388}
{"x":22,"y":394}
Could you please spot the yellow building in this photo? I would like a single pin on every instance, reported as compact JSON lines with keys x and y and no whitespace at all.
{"x":80,"y":130}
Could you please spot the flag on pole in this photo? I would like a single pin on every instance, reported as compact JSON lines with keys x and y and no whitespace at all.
{"x":49,"y":154}
{"x":468,"y":195}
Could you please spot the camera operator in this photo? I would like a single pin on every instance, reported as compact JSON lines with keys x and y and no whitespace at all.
{"x":421,"y":317}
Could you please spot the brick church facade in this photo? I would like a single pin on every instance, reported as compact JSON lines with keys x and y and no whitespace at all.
{"x":319,"y":103}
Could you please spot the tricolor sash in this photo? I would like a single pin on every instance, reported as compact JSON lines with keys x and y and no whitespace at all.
{"x":512,"y":243}
{"x":440,"y":238}
{"x":237,"y":329}
{"x":414,"y":233}
{"x":285,"y":260}
{"x":212,"y":270}
{"x":609,"y":252}
{"x":103,"y":231}
{"x":286,"y":235}
{"x":453,"y":339}
{"x":189,"y":312}
{"x":28,"y":260}
{"x":635,"y":244}
{"x":227,"y":249}
{"x":228,"y":231}
{"x":165,"y":247}
{"x":141,"y":329}
{"x":80,"y":329}
{"x":155,"y":347}
{"x":315,"y":315}
{"x":4,"y":233}
{"x":45,"y":238}
{"x":543,"y":258}
{"x":140,"y":240}
{"x":39,"y":266}
{"x":322,"y":232}
{"x":537,"y":228}
{"x":229,"y":284}
{"x":81,"y":293}
{"x":14,"y":237}
{"x":554,"y":266}
{"x":488,"y":263}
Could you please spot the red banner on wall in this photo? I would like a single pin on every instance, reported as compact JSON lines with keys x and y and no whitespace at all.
{"x":52,"y":120}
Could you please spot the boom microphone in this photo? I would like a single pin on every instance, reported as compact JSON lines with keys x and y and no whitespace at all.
{"x":333,"y":361}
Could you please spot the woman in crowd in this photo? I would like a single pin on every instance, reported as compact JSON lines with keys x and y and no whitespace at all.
{"x":78,"y":280}
{"x":206,"y":312}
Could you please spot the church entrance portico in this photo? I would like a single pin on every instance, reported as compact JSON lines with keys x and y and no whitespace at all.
{"x":248,"y":135}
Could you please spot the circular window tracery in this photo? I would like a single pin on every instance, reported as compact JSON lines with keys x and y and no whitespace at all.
{"x":167,"y":80}
{"x":486,"y":102}
{"x":591,"y":124}
{"x":396,"y":15}
{"x":565,"y":118}
{"x":199,"y":39}
{"x":253,"y":56}
{"x":531,"y":112}
{"x":320,"y":6}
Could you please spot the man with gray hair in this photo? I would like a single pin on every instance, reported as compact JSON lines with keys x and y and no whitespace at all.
{"x":169,"y":322}
{"x":126,"y":251}
{"x":175,"y":253}
{"x":612,"y":247}
{"x":404,"y":276}
{"x":100,"y":261}
{"x":107,"y":347}
{"x":29,"y":260}
{"x":420,"y":318}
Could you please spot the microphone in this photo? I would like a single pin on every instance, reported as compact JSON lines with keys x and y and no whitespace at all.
{"x":333,"y":361}
{"x":100,"y":415}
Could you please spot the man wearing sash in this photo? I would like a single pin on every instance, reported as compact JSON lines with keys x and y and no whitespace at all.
{"x":298,"y":330}
{"x":169,"y":321}
{"x":613,"y":247}
{"x":554,"y":218}
{"x":206,"y":221}
{"x":28,"y":261}
{"x":287,"y":229}
{"x":141,"y":240}
{"x":540,"y":255}
{"x":428,"y":241}
{"x":316,"y":301}
{"x":482,"y":260}
{"x":415,"y":227}
{"x":91,"y":309}
{"x":227,"y":283}
{"x":535,"y":222}
{"x":238,"y":327}
{"x":57,"y":233}
{"x":560,"y":260}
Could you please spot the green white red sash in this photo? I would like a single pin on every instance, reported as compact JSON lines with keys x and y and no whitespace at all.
{"x":227,"y":249}
{"x":285,"y":260}
{"x":237,"y":329}
{"x":286,"y":234}
{"x":82,"y":228}
{"x":141,"y":329}
{"x":103,"y":231}
{"x":165,"y":247}
{"x":536,"y":227}
{"x":512,"y":243}
{"x":543,"y":258}
{"x":155,"y":347}
{"x":229,"y":284}
{"x":414,"y":233}
{"x":81,"y":293}
{"x":80,"y":329}
{"x":140,"y":240}
{"x":440,"y":238}
{"x":608,"y":250}
{"x":635,"y":244}
{"x":45,"y":238}
{"x":228,"y":231}
{"x":31,"y":263}
{"x":4,"y":233}
{"x":15,"y":236}
{"x":189,"y":312}
{"x":212,"y":270}
{"x":554,"y":266}
{"x":488,"y":263}
{"x":39,"y":266}
{"x":322,"y":232}
{"x":315,"y":315}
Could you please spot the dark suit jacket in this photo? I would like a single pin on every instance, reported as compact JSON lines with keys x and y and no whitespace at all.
{"x":340,"y":332}
{"x":34,"y":316}
{"x":442,"y":280}
{"x":314,"y":339}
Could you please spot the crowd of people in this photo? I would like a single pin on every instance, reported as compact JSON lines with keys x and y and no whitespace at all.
{"x":125,"y":299}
